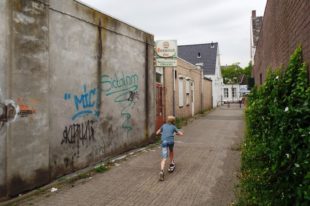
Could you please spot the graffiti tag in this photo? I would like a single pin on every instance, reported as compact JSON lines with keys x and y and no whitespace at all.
{"x":125,"y":91}
{"x":84,"y":104}
{"x":76,"y":133}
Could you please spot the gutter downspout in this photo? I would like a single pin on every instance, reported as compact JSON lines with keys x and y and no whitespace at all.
{"x":201,"y":84}
{"x":173,"y":92}
{"x":146,"y":101}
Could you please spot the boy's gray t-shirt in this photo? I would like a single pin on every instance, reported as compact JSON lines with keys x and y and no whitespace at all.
{"x":167,"y":132}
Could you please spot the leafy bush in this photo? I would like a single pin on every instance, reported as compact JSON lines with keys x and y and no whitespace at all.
{"x":276,"y":152}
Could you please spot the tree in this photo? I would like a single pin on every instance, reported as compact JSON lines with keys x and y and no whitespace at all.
{"x":232,"y":74}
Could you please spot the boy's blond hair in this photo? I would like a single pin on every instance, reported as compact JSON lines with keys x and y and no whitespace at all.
{"x":171,"y":119}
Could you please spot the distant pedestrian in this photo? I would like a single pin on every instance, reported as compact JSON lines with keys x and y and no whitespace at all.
{"x":167,"y":131}
{"x":243,"y":100}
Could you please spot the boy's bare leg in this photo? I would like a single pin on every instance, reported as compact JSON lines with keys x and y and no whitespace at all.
{"x":162,"y":164}
{"x":171,"y":157}
{"x":161,"y":173}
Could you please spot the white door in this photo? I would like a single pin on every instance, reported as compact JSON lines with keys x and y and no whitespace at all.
{"x":193,"y":98}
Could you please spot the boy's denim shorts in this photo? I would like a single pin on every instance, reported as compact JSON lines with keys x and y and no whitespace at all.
{"x":165,"y":146}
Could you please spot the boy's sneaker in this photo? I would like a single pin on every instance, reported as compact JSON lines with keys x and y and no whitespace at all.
{"x":161,"y":176}
{"x":171,"y":168}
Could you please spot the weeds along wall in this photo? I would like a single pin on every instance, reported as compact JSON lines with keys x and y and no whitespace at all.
{"x":76,"y":87}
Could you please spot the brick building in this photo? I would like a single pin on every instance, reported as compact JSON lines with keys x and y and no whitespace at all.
{"x":286,"y":24}
{"x":207,"y":56}
{"x":186,"y":91}
{"x":256,"y":25}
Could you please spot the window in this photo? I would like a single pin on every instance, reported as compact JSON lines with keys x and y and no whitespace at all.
{"x":159,"y":78}
{"x":188,"y":87}
{"x":159,"y":75}
{"x":199,"y":55}
{"x":188,"y":90}
{"x":233,"y":92}
{"x":181,"y":96}
{"x":226,"y":92}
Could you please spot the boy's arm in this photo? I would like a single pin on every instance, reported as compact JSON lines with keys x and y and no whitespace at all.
{"x":158,"y":131}
{"x":179,"y":132}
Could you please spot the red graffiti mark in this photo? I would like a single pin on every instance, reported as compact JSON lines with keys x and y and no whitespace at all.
{"x":26,"y":106}
{"x":25,"y":110}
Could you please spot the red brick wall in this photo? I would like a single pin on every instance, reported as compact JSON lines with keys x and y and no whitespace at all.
{"x":286,"y":24}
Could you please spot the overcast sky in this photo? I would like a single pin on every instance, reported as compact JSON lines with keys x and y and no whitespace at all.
{"x":191,"y":21}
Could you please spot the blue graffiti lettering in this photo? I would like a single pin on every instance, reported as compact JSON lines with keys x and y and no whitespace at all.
{"x":125,"y":88}
{"x":85,"y":103}
{"x":118,"y":84}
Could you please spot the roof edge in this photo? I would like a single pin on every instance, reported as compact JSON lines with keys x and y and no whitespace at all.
{"x":199,"y":44}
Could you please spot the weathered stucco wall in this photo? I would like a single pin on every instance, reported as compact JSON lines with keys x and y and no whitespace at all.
{"x":28,"y":139}
{"x":84,"y":85}
{"x":80,"y":53}
{"x":4,"y":65}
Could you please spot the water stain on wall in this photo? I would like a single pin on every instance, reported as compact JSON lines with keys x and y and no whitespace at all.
{"x":18,"y":184}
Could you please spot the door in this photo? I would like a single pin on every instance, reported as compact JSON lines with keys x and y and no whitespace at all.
{"x":159,"y":105}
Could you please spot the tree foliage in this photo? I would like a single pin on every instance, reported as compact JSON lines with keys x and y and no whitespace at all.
{"x":232,"y":73}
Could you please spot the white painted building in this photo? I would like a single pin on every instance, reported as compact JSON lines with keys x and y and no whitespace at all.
{"x":217,"y":82}
{"x":207,"y":57}
{"x":233,"y":92}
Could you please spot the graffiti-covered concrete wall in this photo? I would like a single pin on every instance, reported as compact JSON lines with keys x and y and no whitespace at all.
{"x":4,"y":64}
{"x":76,"y":87}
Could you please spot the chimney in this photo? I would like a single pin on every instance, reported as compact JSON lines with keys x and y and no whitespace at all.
{"x":212,"y":45}
{"x":253,"y":14}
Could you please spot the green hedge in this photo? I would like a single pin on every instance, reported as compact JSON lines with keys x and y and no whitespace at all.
{"x":276,"y":151}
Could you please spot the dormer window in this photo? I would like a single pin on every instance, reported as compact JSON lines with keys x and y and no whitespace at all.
{"x":199,"y":64}
{"x":198,"y":55}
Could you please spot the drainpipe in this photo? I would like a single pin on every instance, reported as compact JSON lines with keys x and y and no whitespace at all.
{"x":146,"y":101}
{"x":164,"y":102}
{"x":201,"y":84}
{"x":173,"y":92}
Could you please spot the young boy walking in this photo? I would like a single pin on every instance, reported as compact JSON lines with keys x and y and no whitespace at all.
{"x":167,"y":132}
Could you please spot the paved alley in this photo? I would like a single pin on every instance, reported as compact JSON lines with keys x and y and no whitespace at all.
{"x":207,"y":163}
